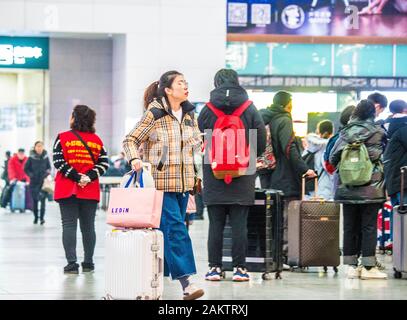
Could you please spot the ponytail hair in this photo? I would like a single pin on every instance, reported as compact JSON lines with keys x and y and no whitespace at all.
{"x":150,"y":94}
{"x":156,"y":90}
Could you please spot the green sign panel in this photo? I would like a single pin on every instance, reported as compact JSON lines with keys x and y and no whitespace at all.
{"x":24,"y":52}
{"x":288,"y":59}
{"x":401,"y":61}
{"x":364,"y":60}
{"x":299,"y":59}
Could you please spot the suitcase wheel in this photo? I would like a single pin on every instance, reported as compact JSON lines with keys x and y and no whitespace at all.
{"x":278,"y":275}
{"x":325,"y":269}
{"x":336,"y":269}
{"x":266,"y":276}
{"x":398,"y":274}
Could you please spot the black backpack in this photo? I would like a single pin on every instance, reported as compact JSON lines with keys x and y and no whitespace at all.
{"x":309,"y":159}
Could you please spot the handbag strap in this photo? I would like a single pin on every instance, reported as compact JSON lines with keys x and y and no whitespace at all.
{"x":84,"y":144}
{"x":134,"y":176}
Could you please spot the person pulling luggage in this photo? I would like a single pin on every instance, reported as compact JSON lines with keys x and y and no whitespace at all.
{"x":169,"y":133}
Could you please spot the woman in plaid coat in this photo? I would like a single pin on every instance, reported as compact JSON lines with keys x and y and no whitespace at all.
{"x":169,"y":134}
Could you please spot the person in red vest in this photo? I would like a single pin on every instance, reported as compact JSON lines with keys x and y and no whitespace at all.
{"x":16,"y":168}
{"x":80,"y":158}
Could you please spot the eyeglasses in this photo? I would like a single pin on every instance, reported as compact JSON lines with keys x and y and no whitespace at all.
{"x":184,"y":82}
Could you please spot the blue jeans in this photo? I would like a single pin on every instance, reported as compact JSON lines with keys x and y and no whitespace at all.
{"x":179,"y":258}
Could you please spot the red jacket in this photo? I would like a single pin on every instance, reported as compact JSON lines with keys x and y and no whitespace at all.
{"x":16,"y":169}
{"x":72,"y":158}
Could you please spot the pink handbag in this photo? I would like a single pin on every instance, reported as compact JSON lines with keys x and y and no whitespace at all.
{"x":191,"y":207}
{"x":135,"y":208}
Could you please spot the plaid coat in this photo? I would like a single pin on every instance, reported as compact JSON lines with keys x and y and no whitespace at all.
{"x":167,"y":144}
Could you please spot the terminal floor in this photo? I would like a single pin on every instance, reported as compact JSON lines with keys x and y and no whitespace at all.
{"x":32,"y":259}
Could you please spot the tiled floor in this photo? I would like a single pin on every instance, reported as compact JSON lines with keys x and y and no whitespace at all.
{"x":32,"y":258}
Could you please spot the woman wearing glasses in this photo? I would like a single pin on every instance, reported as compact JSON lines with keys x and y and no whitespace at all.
{"x":169,"y":132}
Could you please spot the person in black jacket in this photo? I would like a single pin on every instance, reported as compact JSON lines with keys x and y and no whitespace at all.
{"x":361,"y":203}
{"x":4,"y":175}
{"x":395,"y":157}
{"x":290,"y":167}
{"x":38,"y":167}
{"x":398,"y":119}
{"x":234,"y":198}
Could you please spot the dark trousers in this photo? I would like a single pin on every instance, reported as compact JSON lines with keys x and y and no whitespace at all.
{"x":360,"y":233}
{"x":199,"y":205}
{"x":73,"y":209}
{"x":38,"y":198}
{"x":238,"y":220}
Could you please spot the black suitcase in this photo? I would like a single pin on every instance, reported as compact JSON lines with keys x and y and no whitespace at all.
{"x":265,"y":236}
{"x":6,"y":195}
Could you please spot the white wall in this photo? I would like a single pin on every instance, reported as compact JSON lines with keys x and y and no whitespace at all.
{"x":8,"y":88}
{"x":80,"y":73}
{"x":156,"y":36}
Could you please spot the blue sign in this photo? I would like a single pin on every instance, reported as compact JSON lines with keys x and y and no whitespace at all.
{"x":24,"y":52}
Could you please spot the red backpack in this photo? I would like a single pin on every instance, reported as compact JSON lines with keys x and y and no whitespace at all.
{"x":229,"y":153}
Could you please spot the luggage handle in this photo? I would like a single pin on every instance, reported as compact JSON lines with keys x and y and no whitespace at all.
{"x":402,"y":209}
{"x":304,"y":177}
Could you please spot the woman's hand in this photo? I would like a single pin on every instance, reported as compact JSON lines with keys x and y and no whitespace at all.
{"x":136,"y":164}
{"x":84,"y":180}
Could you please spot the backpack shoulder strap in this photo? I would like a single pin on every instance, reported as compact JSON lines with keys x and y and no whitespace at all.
{"x":215,"y":110}
{"x":239,"y":111}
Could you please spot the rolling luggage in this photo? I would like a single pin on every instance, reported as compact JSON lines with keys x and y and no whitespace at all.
{"x":265,"y":236}
{"x":400,"y":233}
{"x":134,"y":265}
{"x":313,"y":232}
{"x":6,"y":195}
{"x":18,"y":197}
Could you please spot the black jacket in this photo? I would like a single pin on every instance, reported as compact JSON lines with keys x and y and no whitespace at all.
{"x":373,"y":136}
{"x":393,"y":124}
{"x":4,"y":175}
{"x":37,"y":168}
{"x":395,"y":157}
{"x":290,"y":166}
{"x":241,"y":190}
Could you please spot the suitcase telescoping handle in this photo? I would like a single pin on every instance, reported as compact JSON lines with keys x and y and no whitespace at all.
{"x":304,"y":177}
{"x":402,"y":209}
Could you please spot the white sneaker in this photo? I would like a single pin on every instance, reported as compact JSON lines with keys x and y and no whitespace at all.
{"x":354,"y":272}
{"x":192,"y":292}
{"x":373,"y":273}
